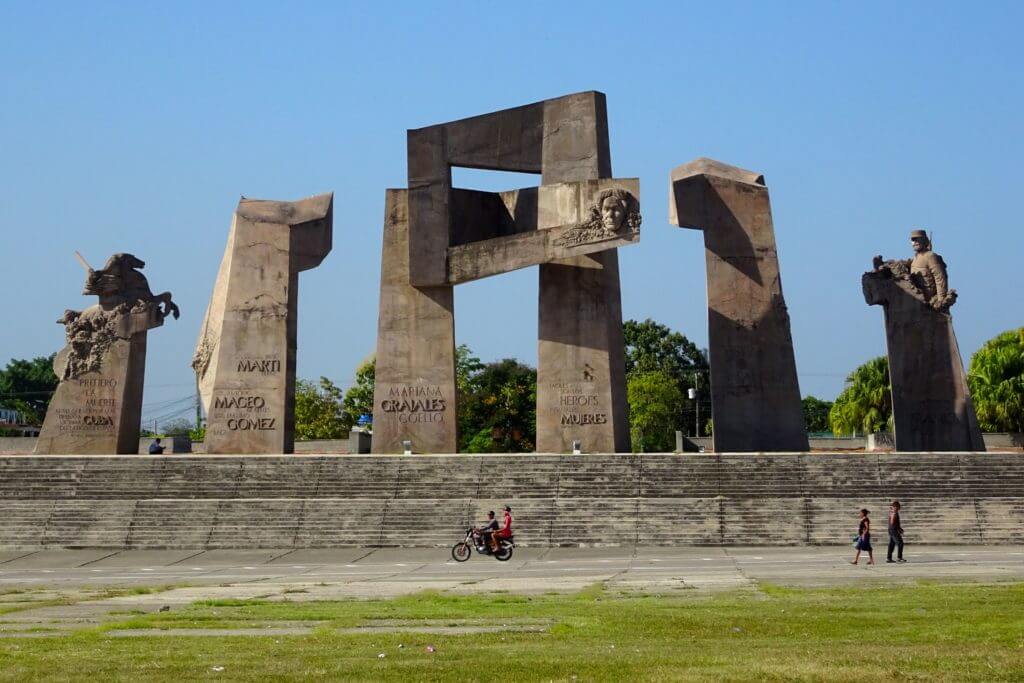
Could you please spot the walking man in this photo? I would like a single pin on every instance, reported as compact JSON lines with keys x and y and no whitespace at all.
{"x":895,"y":533}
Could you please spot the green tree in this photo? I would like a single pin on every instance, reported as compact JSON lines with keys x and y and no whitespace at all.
{"x":653,"y":347}
{"x":996,"y":379}
{"x":27,"y":386}
{"x":318,"y":411}
{"x":816,"y":412}
{"x":865,"y":405}
{"x":358,"y":399}
{"x":498,"y":407}
{"x":655,"y":404}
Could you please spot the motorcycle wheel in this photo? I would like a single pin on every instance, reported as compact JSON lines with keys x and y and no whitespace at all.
{"x":461,"y":552}
{"x":504,"y":553}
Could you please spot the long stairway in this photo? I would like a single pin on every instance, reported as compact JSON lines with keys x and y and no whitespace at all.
{"x":330,"y":501}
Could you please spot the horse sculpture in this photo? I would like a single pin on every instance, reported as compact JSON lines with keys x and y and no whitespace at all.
{"x":120,"y":282}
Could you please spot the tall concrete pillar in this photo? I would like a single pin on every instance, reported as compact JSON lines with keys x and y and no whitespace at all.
{"x":581,"y":365}
{"x":755,"y":395}
{"x":414,"y":385}
{"x":245,"y":356}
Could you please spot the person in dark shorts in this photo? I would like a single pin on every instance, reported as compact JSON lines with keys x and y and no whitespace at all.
{"x":895,"y":533}
{"x":864,"y":537}
{"x":485,"y":530}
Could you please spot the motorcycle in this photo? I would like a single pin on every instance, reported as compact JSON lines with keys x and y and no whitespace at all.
{"x":463,"y":550}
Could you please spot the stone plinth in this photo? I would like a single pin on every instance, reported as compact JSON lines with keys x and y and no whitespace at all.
{"x":931,"y":403}
{"x":755,"y":395}
{"x":245,"y":357}
{"x":98,"y":404}
{"x":569,"y":226}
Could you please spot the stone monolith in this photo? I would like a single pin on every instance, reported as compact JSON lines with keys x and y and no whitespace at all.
{"x":931,"y":403}
{"x":755,"y":395}
{"x":437,"y":236}
{"x":97,"y":407}
{"x":245,"y":357}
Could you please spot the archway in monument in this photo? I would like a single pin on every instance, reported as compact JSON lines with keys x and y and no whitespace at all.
{"x":437,"y":236}
{"x":497,"y":316}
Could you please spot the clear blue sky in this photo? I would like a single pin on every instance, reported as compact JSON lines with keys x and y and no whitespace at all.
{"x":136,"y":126}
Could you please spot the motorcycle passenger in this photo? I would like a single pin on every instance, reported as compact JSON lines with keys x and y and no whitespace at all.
{"x":505,"y":531}
{"x":483,"y":532}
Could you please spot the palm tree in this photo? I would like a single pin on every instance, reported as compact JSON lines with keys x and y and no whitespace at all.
{"x":996,"y":379}
{"x":866,"y":403}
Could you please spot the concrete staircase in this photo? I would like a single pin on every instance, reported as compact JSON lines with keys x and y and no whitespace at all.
{"x":330,"y":501}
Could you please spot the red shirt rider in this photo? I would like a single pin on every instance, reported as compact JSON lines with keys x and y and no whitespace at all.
{"x":506,"y":526}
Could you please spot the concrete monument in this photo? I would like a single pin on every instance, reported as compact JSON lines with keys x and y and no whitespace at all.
{"x":245,"y":357}
{"x":97,"y":407}
{"x":755,"y":395}
{"x":437,"y":236}
{"x":931,"y":404}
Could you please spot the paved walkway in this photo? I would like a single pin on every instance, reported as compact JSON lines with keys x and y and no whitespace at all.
{"x":32,"y":584}
{"x":385,"y":572}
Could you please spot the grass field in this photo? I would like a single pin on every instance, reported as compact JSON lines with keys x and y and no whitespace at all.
{"x":919,"y":632}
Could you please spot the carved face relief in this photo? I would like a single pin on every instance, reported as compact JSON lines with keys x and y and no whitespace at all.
{"x":613,"y":213}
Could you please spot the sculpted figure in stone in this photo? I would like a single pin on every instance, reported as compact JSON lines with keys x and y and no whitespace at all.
{"x":614,"y":209}
{"x":923,"y":276}
{"x":126,"y":306}
{"x":98,"y":403}
{"x":931,"y":403}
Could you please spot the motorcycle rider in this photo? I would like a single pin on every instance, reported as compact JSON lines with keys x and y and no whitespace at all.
{"x":505,"y":531}
{"x":483,"y":532}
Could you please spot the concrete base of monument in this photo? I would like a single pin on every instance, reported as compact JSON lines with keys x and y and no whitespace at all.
{"x":197,"y":503}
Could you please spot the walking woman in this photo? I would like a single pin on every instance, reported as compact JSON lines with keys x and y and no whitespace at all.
{"x":864,"y":537}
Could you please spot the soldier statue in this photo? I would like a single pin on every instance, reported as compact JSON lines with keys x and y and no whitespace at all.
{"x":931,"y":403}
{"x":925,"y":273}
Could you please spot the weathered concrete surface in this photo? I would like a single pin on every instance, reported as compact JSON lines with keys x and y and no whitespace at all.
{"x":755,"y":394}
{"x":245,"y":356}
{"x":414,"y":385}
{"x":98,"y":404}
{"x":548,"y":223}
{"x":581,"y":363}
{"x":452,"y":236}
{"x":931,"y":403}
{"x":381,"y":573}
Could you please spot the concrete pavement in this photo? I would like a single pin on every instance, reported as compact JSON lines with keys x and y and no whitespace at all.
{"x":55,"y":592}
{"x":384,"y":572}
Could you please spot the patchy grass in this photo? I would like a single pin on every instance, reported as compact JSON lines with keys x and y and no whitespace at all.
{"x":923,"y":632}
{"x":22,"y":599}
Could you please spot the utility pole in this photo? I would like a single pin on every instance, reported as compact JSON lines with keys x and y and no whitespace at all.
{"x":698,"y":409}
